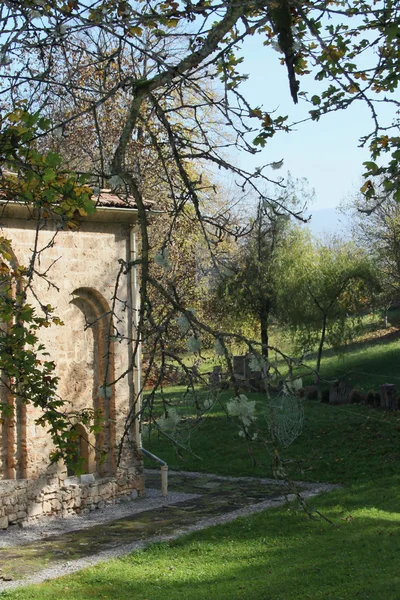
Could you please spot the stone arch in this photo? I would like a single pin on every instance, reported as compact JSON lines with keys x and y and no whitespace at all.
{"x":98,"y":320}
{"x":13,"y":440}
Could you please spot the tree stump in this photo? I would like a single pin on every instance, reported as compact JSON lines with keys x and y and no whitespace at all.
{"x":339,"y":393}
{"x":238,"y":366}
{"x":388,"y":397}
{"x":215,"y":376}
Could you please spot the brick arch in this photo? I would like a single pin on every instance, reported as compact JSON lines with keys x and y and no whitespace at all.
{"x":13,"y":433}
{"x":98,"y":319}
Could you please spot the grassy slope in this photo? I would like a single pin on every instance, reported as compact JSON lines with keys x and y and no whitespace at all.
{"x":365,"y":366}
{"x":278,"y":554}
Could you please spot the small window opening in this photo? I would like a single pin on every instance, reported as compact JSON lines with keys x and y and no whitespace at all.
{"x":80,"y":453}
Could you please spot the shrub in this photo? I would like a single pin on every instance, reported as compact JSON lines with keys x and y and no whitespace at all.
{"x":356,"y":397}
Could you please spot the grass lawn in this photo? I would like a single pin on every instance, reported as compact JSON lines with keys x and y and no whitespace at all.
{"x":276,"y":555}
{"x":365,"y":366}
{"x":343,"y":444}
{"x":279,"y":554}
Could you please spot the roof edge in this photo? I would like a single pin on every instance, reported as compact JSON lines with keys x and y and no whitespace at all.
{"x":115,"y":214}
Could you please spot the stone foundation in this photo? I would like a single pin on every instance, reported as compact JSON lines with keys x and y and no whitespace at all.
{"x":27,"y":501}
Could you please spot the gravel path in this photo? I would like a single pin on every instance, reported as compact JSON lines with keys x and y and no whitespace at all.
{"x":153,"y":501}
{"x":14,"y":536}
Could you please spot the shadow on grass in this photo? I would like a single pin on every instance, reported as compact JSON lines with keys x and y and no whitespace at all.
{"x":276,"y":554}
{"x":366,"y":365}
{"x":340,"y":444}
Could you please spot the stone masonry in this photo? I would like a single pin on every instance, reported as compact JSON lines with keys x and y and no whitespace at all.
{"x":84,"y":266}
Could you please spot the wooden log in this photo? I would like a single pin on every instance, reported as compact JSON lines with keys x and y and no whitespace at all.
{"x":339,"y":393}
{"x":238,"y":365}
{"x":389,"y":399}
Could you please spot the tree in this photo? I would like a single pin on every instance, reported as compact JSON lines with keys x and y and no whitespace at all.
{"x":250,"y":286}
{"x":376,"y":227}
{"x":26,"y":371}
{"x":327,"y":286}
{"x":169,"y":63}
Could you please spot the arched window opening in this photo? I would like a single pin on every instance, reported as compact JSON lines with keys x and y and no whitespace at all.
{"x":80,"y":454}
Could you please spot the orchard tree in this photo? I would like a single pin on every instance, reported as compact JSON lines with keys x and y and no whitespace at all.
{"x":164,"y":80}
{"x":248,"y":289}
{"x":376,"y":227}
{"x":325,"y":290}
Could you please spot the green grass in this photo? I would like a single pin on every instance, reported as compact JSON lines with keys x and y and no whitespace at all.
{"x":364,"y":364}
{"x":279,"y":554}
{"x":342,"y":444}
{"x":367,"y":366}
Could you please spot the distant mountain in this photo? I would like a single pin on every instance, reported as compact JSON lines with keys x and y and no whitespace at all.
{"x":328,"y":221}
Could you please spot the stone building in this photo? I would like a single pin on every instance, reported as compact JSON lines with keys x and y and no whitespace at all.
{"x":84,"y":266}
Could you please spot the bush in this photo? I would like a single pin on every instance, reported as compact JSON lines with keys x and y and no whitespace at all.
{"x":356,"y":397}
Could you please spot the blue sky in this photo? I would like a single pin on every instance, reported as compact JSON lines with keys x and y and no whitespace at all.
{"x":325,"y":152}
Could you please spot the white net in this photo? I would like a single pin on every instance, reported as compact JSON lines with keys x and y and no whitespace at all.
{"x":285,"y":416}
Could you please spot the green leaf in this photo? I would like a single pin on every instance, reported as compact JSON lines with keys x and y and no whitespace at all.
{"x":388,"y":184}
{"x":396,"y":155}
{"x":53,"y":159}
{"x":372,"y":167}
{"x":259,"y":141}
{"x":48,"y":175}
{"x":392,"y":31}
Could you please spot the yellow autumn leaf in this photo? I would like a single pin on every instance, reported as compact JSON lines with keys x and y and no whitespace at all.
{"x":256,"y":113}
{"x":352,"y":89}
{"x":367,"y":185}
{"x":135,"y":30}
{"x":72,"y":225}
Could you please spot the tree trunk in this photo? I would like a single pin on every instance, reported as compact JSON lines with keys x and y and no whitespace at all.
{"x":319,"y":356}
{"x":264,"y":333}
{"x":388,"y":395}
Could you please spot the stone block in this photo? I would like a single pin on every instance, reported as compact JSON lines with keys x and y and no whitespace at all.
{"x":55,"y":504}
{"x":50,"y":489}
{"x":69,"y":481}
{"x":47,"y":507}
{"x":34,"y":510}
{"x":88,"y":478}
{"x":3,"y":522}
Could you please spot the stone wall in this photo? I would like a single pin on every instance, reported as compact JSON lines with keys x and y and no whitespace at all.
{"x":84,"y":267}
{"x":27,"y":501}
